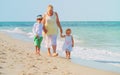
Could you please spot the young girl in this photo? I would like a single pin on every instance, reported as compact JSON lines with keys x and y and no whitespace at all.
{"x":69,"y":43}
{"x":37,"y":31}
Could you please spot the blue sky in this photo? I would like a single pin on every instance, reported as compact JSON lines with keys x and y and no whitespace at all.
{"x":68,"y":10}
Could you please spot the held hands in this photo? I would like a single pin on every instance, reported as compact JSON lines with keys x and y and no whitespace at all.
{"x":45,"y":30}
{"x":37,"y":36}
{"x":62,"y":35}
{"x":61,"y":31}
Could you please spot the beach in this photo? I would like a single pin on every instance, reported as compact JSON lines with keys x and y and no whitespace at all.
{"x":17,"y":57}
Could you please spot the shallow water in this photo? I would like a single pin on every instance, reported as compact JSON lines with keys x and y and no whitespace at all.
{"x":95,"y":42}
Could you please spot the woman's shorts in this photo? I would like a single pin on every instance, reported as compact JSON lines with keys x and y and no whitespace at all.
{"x":51,"y":40}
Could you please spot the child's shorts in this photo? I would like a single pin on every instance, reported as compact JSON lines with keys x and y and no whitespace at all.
{"x":38,"y":41}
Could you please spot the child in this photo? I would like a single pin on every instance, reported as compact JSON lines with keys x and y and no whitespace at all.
{"x":37,"y":31}
{"x":69,"y":43}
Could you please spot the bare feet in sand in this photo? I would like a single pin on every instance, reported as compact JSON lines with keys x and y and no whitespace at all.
{"x":55,"y":54}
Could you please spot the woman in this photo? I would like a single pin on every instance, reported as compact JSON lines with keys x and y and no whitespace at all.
{"x":51,"y":24}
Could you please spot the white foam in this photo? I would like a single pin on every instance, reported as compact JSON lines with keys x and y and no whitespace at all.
{"x":30,"y":35}
{"x":99,"y":55}
{"x":15,"y":30}
{"x":117,"y":65}
{"x":19,"y":31}
{"x":95,"y":54}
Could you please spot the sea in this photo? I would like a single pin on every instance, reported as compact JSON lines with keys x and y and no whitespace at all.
{"x":97,"y":43}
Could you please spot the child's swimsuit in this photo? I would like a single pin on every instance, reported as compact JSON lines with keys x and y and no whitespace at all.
{"x":68,"y":43}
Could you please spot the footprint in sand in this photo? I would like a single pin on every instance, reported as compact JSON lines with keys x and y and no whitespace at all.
{"x":55,"y":67}
{"x":2,"y":61}
{"x":1,"y":73}
{"x":48,"y":61}
{"x":2,"y":53}
{"x":1,"y":67}
{"x":2,"y":58}
{"x":67,"y":73}
{"x":46,"y":73}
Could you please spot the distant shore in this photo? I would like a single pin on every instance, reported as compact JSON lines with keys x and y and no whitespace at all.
{"x":18,"y":58}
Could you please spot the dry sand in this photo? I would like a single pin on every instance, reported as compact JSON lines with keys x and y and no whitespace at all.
{"x":17,"y":57}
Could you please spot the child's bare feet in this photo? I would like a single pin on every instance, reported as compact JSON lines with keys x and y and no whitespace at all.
{"x":68,"y":57}
{"x":38,"y":53}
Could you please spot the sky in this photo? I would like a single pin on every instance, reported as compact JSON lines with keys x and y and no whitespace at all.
{"x":68,"y":10}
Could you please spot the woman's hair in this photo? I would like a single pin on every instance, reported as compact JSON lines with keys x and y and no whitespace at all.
{"x":50,"y":6}
{"x":68,"y":30}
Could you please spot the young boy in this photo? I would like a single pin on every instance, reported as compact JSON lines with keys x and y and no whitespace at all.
{"x":37,"y":31}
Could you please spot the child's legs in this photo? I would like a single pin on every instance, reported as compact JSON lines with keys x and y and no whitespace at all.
{"x":68,"y":54}
{"x":35,"y":43}
{"x":39,"y":44}
{"x":36,"y":49}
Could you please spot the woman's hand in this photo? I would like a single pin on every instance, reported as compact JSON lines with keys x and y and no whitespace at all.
{"x":61,"y":30}
{"x":45,"y":30}
{"x":62,"y":35}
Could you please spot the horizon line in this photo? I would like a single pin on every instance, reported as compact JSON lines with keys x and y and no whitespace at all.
{"x":72,"y":21}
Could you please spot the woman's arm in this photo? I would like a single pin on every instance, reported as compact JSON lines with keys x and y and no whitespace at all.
{"x":58,"y":22}
{"x":43,"y":21}
{"x":72,"y":42}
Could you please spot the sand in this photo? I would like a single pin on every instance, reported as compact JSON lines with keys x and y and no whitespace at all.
{"x":17,"y":57}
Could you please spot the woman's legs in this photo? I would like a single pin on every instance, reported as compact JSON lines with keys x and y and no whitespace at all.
{"x":54,"y":44}
{"x":48,"y":44}
{"x":49,"y":53}
{"x":51,"y":40}
{"x":54,"y":48}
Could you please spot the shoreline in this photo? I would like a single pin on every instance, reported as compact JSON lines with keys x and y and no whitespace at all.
{"x":17,"y":58}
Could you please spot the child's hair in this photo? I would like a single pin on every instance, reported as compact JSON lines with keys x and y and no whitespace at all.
{"x":68,"y":30}
{"x":39,"y":17}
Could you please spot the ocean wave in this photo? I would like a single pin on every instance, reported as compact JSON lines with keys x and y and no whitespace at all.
{"x":19,"y":30}
{"x":96,"y":54}
{"x":30,"y":35}
{"x":15,"y":30}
